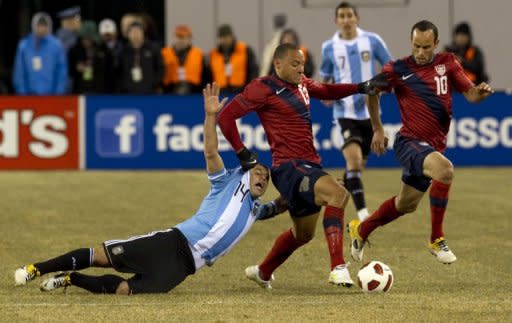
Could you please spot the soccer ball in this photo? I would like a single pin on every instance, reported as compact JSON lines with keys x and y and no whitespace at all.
{"x":375,"y":277}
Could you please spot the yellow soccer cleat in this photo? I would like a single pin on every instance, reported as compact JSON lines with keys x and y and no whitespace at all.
{"x":441,"y":251}
{"x":25,"y":274}
{"x":356,"y":242}
{"x":55,"y":282}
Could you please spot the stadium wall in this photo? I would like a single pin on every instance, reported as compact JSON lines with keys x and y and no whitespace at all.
{"x":166,"y":132}
{"x":314,"y":20}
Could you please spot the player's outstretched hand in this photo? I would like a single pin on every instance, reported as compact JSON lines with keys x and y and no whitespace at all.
{"x":379,"y":142}
{"x":247,"y":158}
{"x":211,"y":99}
{"x":484,"y":89}
{"x":266,"y":211}
{"x":373,"y":86}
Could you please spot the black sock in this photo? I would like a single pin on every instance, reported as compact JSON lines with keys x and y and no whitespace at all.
{"x":73,"y":260}
{"x":106,"y":284}
{"x":354,"y":185}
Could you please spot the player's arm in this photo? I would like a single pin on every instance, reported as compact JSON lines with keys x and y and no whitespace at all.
{"x":379,"y":140}
{"x":478,"y":92}
{"x":338,"y":91}
{"x":251,"y":99}
{"x":212,"y":106}
{"x":472,"y":93}
{"x":272,"y":208}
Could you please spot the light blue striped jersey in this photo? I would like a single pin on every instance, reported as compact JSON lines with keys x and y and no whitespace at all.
{"x":223,"y":218}
{"x":353,"y":61}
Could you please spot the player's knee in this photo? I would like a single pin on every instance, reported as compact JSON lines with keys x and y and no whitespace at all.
{"x":446,"y":173}
{"x":123,"y":288}
{"x":338,"y":197}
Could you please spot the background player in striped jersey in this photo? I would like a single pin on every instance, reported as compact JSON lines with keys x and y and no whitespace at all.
{"x":423,"y":85}
{"x":351,"y":56}
{"x":282,"y":104}
{"x":163,"y":259}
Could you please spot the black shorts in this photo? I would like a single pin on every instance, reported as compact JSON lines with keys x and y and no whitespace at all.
{"x":295,"y":180}
{"x":161,"y":260}
{"x":359,"y":131}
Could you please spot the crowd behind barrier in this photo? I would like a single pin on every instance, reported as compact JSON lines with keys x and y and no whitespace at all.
{"x":165,"y":132}
{"x":86,"y":57}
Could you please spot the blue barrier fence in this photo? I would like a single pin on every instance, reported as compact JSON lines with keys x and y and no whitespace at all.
{"x":165,"y":132}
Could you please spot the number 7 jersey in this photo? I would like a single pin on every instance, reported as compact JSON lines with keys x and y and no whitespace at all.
{"x":424,"y":94}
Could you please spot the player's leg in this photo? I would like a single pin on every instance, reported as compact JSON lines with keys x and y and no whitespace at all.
{"x":411,"y":154}
{"x":106,"y":284}
{"x":301,"y":233}
{"x":74,"y":260}
{"x":335,"y":197}
{"x":288,"y":178}
{"x":358,"y":136}
{"x":440,"y":169}
{"x":406,"y":201}
{"x":352,"y":177}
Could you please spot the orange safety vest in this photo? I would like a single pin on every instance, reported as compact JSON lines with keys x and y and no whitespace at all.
{"x":238,"y":62}
{"x":193,"y":66}
{"x":469,"y":55}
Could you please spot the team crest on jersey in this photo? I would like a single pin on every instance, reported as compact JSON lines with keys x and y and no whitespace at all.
{"x":440,"y":69}
{"x":365,"y":55}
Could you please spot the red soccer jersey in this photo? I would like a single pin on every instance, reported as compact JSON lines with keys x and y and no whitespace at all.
{"x":424,"y":94}
{"x":284,"y":112}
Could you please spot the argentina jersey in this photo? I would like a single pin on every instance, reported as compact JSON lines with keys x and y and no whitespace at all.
{"x":223,"y":218}
{"x":352,"y":61}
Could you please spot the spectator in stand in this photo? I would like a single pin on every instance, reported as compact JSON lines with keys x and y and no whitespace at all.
{"x":290,"y":36}
{"x":151,"y":28}
{"x":126,"y":21}
{"x":108,"y":35}
{"x":469,"y":55}
{"x":232,"y":63}
{"x":90,"y":63}
{"x":71,"y":22}
{"x":140,"y":67}
{"x":268,"y":52}
{"x":184,"y":64}
{"x":40,"y":66}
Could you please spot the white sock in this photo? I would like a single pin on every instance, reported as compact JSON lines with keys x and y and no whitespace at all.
{"x":363,"y":214}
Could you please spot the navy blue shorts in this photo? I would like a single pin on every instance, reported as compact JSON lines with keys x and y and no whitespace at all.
{"x":411,"y":153}
{"x":295,"y":180}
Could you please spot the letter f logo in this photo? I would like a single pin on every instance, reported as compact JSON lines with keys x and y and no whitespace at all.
{"x":125,"y":130}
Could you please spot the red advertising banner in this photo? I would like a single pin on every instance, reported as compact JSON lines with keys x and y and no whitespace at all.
{"x":39,"y":132}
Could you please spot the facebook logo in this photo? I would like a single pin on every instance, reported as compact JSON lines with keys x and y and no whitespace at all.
{"x":119,"y":133}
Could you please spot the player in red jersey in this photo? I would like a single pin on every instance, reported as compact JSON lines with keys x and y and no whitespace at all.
{"x":423,"y":84}
{"x":282,"y":104}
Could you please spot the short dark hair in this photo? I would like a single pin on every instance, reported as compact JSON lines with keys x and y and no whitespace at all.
{"x":283,"y":49}
{"x":425,"y":25}
{"x":343,"y":5}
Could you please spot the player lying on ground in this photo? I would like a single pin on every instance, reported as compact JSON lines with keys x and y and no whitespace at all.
{"x":163,"y":259}
{"x":423,"y":84}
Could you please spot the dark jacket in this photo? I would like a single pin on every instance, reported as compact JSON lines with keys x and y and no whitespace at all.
{"x":147,"y":60}
{"x":101,"y":61}
{"x":472,"y":60}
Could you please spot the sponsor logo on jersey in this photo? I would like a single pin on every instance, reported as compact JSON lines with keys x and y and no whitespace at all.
{"x":440,"y":69}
